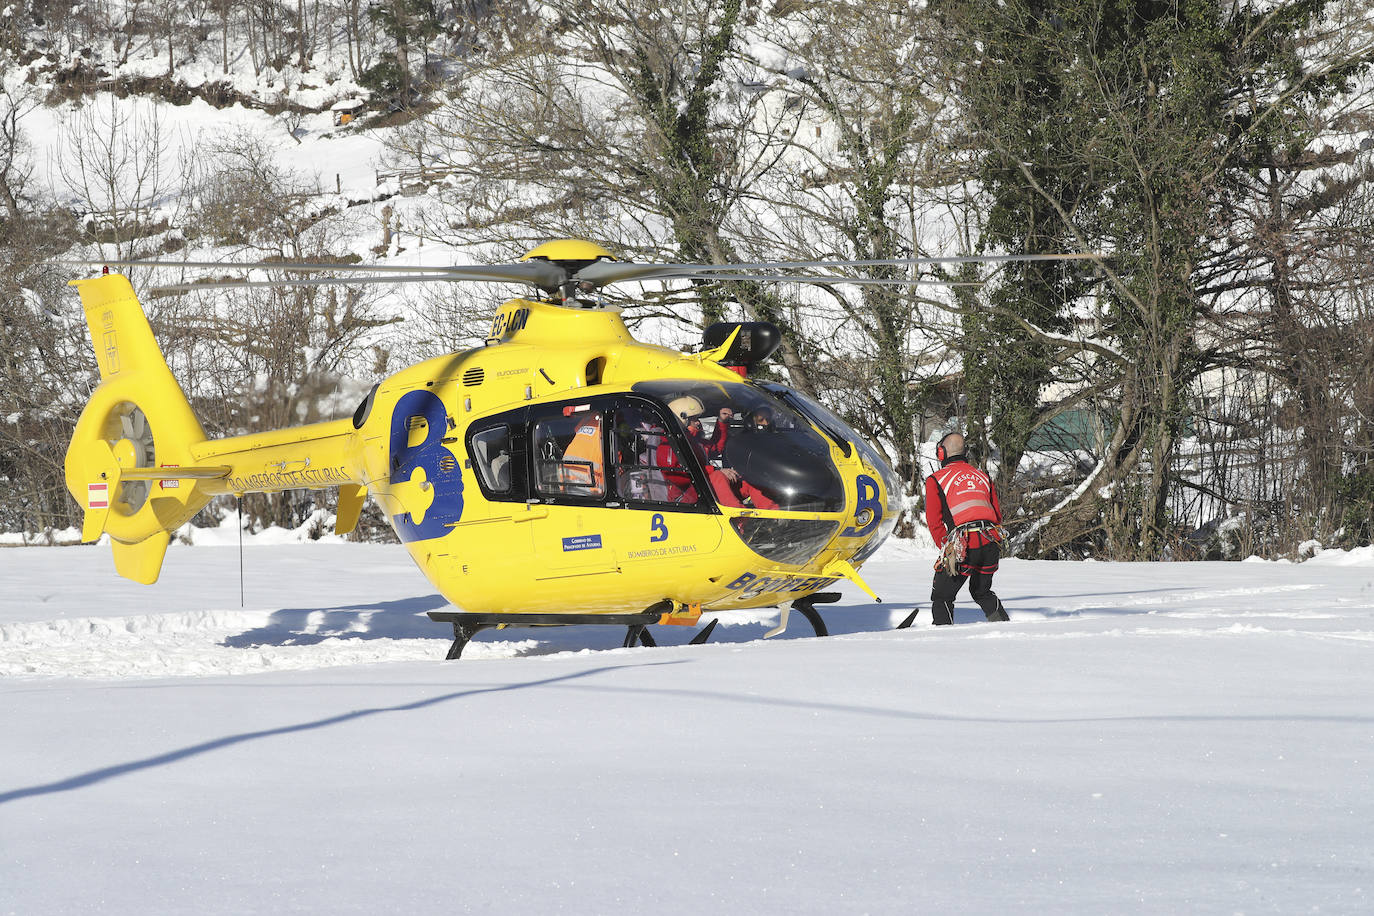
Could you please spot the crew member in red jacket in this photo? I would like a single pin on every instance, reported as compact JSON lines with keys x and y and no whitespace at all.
{"x":961,"y":503}
{"x":729,"y":487}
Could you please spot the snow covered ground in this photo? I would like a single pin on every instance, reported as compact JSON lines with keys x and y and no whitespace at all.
{"x":1140,"y":738}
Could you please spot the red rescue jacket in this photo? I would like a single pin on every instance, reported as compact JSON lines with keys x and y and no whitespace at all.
{"x":971,"y":498}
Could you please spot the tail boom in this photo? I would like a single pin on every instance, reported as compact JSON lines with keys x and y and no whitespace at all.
{"x":139,"y":462}
{"x":312,"y":457}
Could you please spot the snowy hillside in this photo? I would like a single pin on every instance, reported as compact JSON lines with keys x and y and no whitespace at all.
{"x":1140,"y":738}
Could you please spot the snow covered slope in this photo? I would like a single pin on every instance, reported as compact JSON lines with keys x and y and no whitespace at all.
{"x":1140,"y":738}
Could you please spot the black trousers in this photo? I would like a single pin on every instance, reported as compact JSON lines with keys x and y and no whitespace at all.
{"x":979,"y":565}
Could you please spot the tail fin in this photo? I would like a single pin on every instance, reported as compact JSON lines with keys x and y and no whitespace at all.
{"x":130,"y":463}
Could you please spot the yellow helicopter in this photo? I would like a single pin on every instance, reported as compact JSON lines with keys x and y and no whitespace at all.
{"x":563,"y":473}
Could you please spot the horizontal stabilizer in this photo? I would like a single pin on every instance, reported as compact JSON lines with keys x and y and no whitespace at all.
{"x":205,"y":472}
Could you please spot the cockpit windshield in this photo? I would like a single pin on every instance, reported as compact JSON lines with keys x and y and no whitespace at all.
{"x":756,"y":451}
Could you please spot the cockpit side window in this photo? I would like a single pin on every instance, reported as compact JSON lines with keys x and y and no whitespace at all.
{"x":491,"y":457}
{"x":496,"y":448}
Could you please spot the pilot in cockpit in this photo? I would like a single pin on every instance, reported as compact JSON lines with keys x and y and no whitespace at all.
{"x":730,"y":488}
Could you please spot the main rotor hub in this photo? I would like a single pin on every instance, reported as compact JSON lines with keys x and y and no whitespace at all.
{"x":571,"y":255}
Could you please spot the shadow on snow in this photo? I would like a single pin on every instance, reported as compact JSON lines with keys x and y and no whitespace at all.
{"x":404,"y":618}
{"x":110,"y":772}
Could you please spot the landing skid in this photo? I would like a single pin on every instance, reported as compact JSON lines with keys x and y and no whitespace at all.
{"x":807,"y":608}
{"x":638,"y":634}
{"x":466,"y":625}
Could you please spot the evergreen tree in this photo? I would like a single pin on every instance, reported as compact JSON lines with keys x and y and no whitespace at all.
{"x":407,"y":23}
{"x":1121,"y":124}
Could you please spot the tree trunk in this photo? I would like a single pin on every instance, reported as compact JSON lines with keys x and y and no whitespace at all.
{"x":300,"y":32}
{"x":403,"y":64}
{"x":8,"y":201}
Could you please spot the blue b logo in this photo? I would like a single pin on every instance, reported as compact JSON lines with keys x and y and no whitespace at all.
{"x":440,"y":466}
{"x":659,"y":529}
{"x":868,"y":506}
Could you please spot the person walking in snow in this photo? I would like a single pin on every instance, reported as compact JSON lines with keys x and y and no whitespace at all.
{"x":965,"y":519}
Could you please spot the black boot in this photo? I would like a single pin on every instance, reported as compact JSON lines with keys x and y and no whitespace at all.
{"x":942,"y":612}
{"x":992,"y":608}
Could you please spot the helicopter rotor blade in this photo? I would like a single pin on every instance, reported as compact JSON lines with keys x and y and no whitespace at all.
{"x":813,"y":279}
{"x":544,"y":274}
{"x":313,"y":281}
{"x":603,"y":272}
{"x":822,"y":279}
{"x":818,"y":280}
{"x":550,"y":276}
{"x":247,"y":265}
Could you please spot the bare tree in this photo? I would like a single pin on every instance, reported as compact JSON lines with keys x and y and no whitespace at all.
{"x":864,"y":176}
{"x":637,"y":127}
{"x":267,"y":358}
{"x":115,"y":162}
{"x":42,"y":370}
{"x":15,"y":168}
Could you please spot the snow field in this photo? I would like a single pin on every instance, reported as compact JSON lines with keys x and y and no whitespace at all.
{"x":1141,"y":738}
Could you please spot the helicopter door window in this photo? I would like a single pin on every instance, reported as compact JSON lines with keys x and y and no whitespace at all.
{"x":569,"y":454}
{"x":648,"y":468}
{"x":490,"y":451}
